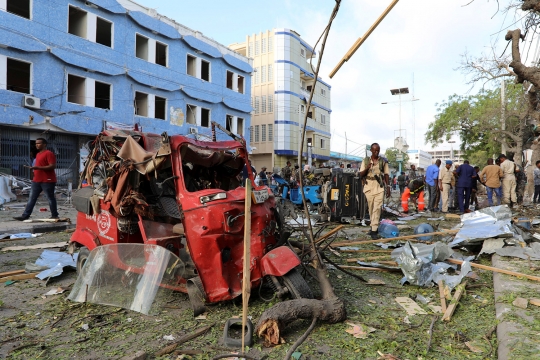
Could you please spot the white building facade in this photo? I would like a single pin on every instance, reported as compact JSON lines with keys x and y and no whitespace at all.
{"x":420,"y":158}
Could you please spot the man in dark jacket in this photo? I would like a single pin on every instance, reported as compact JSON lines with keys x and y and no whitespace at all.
{"x":263,"y":177}
{"x":401,"y":180}
{"x":466,"y":175}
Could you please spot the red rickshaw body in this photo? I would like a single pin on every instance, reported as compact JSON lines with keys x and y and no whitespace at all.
{"x":212,"y":216}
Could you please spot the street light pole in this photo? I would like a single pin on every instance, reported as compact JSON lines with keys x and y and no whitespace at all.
{"x":452,"y":142}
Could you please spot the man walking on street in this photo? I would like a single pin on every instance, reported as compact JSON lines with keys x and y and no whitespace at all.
{"x":492,"y":174}
{"x":445,"y":184}
{"x":536,"y":177}
{"x":401,"y":182}
{"x":44,"y":180}
{"x":375,"y":173}
{"x":508,"y":181}
{"x":432,"y":182}
{"x":464,"y":183}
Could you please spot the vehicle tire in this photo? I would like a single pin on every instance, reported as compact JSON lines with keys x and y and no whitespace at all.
{"x":81,"y":259}
{"x":309,"y":206}
{"x":298,"y":287}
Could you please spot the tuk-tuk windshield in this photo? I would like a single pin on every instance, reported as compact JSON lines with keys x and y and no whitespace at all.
{"x":210,"y":168}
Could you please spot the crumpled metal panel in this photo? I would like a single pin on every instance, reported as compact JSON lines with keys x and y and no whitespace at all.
{"x":424,"y":265}
{"x":491,"y":222}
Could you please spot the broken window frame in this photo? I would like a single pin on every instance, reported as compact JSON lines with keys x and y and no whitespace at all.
{"x":198,"y":71}
{"x":156,"y":107}
{"x":87,"y":27}
{"x":84,"y":95}
{"x":137,"y":47}
{"x":5,"y":83}
{"x":30,"y":8}
{"x":166,"y":54}
{"x":110,"y":95}
{"x":135,"y":103}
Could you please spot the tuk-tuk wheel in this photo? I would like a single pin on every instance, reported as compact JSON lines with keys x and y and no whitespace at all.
{"x":298,"y":287}
{"x":81,"y":259}
{"x":309,"y":206}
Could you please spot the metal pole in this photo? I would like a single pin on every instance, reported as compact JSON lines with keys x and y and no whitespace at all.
{"x":503,"y":109}
{"x":346,"y":141}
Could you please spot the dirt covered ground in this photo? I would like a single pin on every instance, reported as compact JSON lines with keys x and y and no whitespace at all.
{"x":51,"y":327}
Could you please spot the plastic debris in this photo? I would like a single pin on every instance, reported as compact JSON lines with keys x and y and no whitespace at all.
{"x":424,"y":228}
{"x":296,"y":355}
{"x":168,"y":337}
{"x":85,"y":327}
{"x":422,"y":299}
{"x":54,"y":291}
{"x":55,"y":262}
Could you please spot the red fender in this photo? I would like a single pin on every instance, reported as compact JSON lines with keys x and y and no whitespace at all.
{"x":279,"y":261}
{"x":85,"y":237}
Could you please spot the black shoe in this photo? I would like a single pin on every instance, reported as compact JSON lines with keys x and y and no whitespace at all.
{"x":21,"y":218}
{"x":374,"y":235}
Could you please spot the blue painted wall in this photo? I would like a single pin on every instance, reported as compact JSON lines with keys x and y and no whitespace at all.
{"x":44,"y":41}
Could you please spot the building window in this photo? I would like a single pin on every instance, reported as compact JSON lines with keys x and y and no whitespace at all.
{"x":323,"y":92}
{"x":323,"y":119}
{"x":270,"y":132}
{"x":160,"y":108}
{"x":76,"y":90}
{"x":205,"y":117}
{"x":256,"y":47}
{"x":18,"y":76}
{"x":141,"y":47}
{"x":141,"y":104}
{"x":205,"y":70}
{"x":161,"y":54}
{"x":228,"y":122}
{"x":263,"y":133}
{"x":191,"y":65}
{"x":263,"y":46}
{"x":256,"y":75}
{"x":270,"y":73}
{"x":102,"y":95}
{"x":191,"y":114}
{"x":302,"y":52}
{"x":323,"y":143}
{"x":240,"y":126}
{"x":82,"y":25}
{"x":230,"y":80}
{"x":270,"y":46}
{"x":263,"y":74}
{"x":270,"y":103}
{"x":103,"y":32}
{"x":19,"y":7}
{"x":240,"y":84}
{"x":198,"y":67}
{"x":256,"y":104}
{"x":77,"y":22}
{"x":302,"y":109}
{"x":251,"y":132}
{"x":256,"y":133}
{"x":250,"y":49}
{"x":263,"y":104}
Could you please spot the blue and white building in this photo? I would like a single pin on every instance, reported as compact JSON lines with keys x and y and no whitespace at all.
{"x":281,"y":84}
{"x":70,"y":68}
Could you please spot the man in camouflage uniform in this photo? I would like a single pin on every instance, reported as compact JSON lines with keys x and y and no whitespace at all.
{"x":286,"y":172}
{"x":521,"y":183}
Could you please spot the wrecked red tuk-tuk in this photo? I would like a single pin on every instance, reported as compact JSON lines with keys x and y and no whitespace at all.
{"x":184,"y":195}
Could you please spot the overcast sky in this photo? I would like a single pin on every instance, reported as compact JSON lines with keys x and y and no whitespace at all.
{"x":420,"y":37}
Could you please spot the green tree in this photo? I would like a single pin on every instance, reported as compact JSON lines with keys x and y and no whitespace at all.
{"x":476,"y":119}
{"x":391,"y":153}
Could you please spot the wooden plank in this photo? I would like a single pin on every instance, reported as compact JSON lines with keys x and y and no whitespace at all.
{"x":405,"y":237}
{"x":33,"y":247}
{"x":19,"y":277}
{"x":367,"y":251}
{"x":369,"y":258}
{"x":452,"y":307}
{"x":368,"y":268}
{"x":330,"y":233}
{"x":246,"y":281}
{"x":14,"y":272}
{"x":441,"y":295}
{"x":494,"y":269}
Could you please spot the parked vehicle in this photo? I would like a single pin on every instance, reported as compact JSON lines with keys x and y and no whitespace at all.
{"x":184,"y":195}
{"x":312,"y":193}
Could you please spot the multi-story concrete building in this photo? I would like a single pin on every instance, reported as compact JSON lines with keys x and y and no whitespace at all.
{"x":420,"y":158}
{"x":455,"y":155}
{"x":281,"y":84}
{"x":69,"y":68}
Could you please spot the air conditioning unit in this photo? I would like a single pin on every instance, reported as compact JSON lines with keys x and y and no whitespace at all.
{"x":31,"y":102}
{"x":193,"y":130}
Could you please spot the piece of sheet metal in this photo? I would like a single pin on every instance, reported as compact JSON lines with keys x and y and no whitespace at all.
{"x":491,"y":222}
{"x":55,"y":262}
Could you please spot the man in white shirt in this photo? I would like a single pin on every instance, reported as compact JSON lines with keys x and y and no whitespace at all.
{"x":508,"y":181}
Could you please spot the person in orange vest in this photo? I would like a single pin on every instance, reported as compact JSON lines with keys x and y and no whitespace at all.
{"x":415,"y":191}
